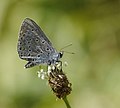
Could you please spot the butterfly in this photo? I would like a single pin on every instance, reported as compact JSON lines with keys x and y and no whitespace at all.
{"x":34,"y":47}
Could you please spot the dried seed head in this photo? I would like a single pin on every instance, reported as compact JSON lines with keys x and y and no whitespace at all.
{"x":58,"y":81}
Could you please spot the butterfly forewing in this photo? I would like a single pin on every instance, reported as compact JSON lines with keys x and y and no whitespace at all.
{"x":32,"y":42}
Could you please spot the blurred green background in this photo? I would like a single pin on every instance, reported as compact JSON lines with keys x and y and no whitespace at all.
{"x":92,"y":26}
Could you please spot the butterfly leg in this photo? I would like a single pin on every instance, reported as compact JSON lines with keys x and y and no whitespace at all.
{"x":59,"y":62}
{"x":30,"y":64}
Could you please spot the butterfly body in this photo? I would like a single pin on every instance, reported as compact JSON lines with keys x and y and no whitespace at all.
{"x":34,"y":47}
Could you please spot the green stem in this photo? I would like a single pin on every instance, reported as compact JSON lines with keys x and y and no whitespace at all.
{"x":66,"y":102}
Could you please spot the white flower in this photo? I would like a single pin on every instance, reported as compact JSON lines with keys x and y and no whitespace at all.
{"x":42,"y":74}
{"x":65,"y":63}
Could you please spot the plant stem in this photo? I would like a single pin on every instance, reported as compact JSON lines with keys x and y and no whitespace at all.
{"x":66,"y":102}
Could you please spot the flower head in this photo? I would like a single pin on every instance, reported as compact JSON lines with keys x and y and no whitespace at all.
{"x":58,"y":81}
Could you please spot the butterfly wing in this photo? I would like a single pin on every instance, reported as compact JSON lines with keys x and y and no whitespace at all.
{"x":32,"y":42}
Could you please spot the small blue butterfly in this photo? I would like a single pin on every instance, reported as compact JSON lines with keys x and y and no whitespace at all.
{"x":34,"y":47}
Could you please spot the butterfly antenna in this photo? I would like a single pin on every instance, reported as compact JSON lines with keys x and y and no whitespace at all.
{"x":66,"y":46}
{"x":69,"y":52}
